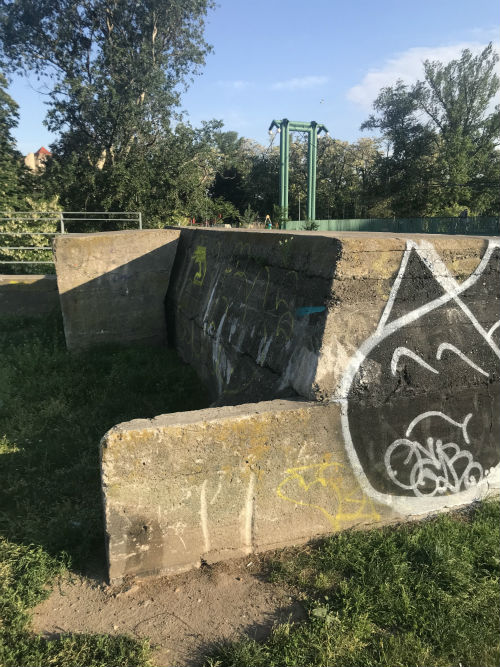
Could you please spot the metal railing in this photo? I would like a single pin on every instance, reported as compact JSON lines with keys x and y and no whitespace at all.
{"x":99,"y":216}
{"x":8,"y":248}
{"x":59,"y":222}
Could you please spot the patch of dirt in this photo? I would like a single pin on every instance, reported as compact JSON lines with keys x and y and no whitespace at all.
{"x":182,"y":615}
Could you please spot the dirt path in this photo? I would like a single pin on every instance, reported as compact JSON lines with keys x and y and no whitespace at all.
{"x":181,"y":615}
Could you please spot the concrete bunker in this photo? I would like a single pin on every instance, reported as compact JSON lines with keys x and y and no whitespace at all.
{"x":356,"y":377}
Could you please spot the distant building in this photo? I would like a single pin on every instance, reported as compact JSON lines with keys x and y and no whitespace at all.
{"x":36,"y":161}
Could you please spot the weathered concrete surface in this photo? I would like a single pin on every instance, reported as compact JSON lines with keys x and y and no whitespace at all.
{"x":421,"y":395}
{"x":222,"y":482}
{"x":28,"y":295}
{"x":247,"y":310}
{"x":213,"y":484}
{"x":266,"y":315}
{"x":397,"y":339}
{"x":112,"y":285}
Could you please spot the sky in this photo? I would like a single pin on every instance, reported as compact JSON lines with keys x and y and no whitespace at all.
{"x":321,"y":60}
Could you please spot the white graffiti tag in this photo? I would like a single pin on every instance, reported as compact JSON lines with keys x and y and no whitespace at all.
{"x":439,"y":468}
{"x":406,"y":365}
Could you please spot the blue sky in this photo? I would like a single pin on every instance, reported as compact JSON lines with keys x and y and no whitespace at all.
{"x":320,"y":60}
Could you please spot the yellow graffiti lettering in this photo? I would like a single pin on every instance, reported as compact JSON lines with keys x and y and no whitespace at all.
{"x":327,"y":487}
{"x":285,"y":323}
{"x":200,"y":258}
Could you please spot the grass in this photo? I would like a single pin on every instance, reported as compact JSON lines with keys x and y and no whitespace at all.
{"x":54,"y":409}
{"x":423,"y":594}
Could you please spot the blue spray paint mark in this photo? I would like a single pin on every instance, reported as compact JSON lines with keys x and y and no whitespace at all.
{"x":308,"y":310}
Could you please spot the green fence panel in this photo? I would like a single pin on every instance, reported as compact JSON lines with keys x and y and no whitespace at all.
{"x":480,"y":226}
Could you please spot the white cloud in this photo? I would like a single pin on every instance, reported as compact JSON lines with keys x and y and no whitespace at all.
{"x":239,"y":84}
{"x":300,"y":83}
{"x":407,"y":66}
{"x":485,"y":34}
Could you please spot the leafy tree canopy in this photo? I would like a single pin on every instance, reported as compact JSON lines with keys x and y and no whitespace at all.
{"x":117,"y":67}
{"x":442,"y":137}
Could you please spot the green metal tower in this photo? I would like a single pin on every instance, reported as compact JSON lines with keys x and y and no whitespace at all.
{"x":313,"y":128}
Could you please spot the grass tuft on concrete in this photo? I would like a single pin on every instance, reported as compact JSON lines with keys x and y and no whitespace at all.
{"x":419,"y":594}
{"x":54,"y":409}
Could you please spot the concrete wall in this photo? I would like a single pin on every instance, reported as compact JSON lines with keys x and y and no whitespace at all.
{"x":267,"y":315}
{"x":224,"y":482}
{"x":420,"y":397}
{"x":381,"y":352}
{"x":248,"y":310}
{"x":28,"y":296}
{"x":112,"y":285}
{"x":396,"y":338}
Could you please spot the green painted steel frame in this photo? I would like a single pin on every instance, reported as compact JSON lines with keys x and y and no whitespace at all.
{"x":313,"y":128}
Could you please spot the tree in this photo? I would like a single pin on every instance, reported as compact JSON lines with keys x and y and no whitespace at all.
{"x":241,"y":178}
{"x":405,"y":171}
{"x":116,"y":66}
{"x":13,"y":174}
{"x":297,"y":186}
{"x":168,"y":182}
{"x":456,"y":98}
{"x":117,"y":70}
{"x":345,"y":177}
{"x":335,"y":179}
{"x":235,"y":162}
{"x":18,"y":192}
{"x":442,"y":139}
{"x":263,"y":182}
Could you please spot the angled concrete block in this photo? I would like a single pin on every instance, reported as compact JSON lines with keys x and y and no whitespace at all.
{"x":263,"y":315}
{"x":28,"y":295}
{"x":112,"y":285}
{"x":213,"y":484}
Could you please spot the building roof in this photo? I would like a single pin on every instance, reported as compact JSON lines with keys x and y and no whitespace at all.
{"x":42,"y":151}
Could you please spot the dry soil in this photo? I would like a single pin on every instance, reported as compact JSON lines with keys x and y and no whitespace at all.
{"x":182,"y":615}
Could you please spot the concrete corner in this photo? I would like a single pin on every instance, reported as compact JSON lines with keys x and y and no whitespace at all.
{"x":112,"y":285}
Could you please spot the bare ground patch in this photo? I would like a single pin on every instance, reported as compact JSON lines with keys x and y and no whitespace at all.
{"x":182,"y":615}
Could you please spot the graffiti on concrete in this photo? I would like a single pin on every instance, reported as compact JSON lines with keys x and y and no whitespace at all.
{"x":438,"y":468}
{"x":247,"y":321}
{"x":246,"y":512}
{"x":327,"y":487}
{"x":200,"y":259}
{"x":419,"y":399}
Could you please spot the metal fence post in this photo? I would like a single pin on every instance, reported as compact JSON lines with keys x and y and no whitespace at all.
{"x":140,"y":220}
{"x":61,"y":218}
